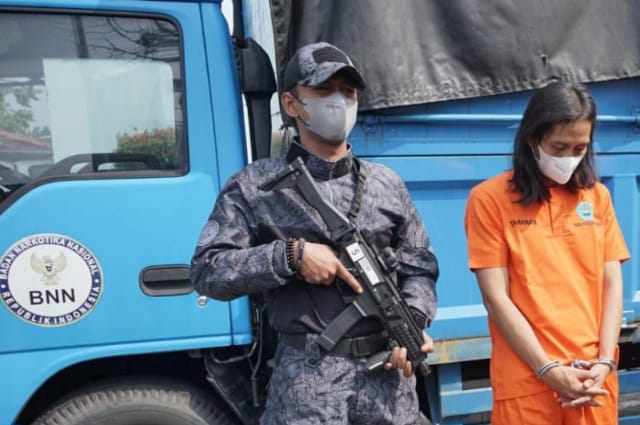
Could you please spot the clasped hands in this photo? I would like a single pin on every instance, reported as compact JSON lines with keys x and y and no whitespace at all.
{"x":578,"y":387}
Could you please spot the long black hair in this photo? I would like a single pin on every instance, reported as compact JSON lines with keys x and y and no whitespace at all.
{"x":555,"y":104}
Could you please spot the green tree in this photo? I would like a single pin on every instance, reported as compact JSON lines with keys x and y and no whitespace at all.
{"x":16,"y":118}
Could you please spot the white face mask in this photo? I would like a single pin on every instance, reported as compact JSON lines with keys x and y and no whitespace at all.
{"x":331,"y":117}
{"x":557,"y":168}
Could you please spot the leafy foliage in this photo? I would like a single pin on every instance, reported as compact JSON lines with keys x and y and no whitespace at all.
{"x":16,"y":115}
{"x":159,"y":142}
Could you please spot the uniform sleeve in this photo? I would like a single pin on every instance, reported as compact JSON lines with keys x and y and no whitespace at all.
{"x":615,"y":247}
{"x":486,"y":245}
{"x":418,"y":270}
{"x":225,"y":264}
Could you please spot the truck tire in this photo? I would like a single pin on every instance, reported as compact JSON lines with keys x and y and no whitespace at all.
{"x":128,"y":401}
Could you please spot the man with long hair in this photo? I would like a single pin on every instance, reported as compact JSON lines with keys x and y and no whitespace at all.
{"x":546,"y":249}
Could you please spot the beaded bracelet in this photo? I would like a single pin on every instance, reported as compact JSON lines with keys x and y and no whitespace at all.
{"x":291,"y":262}
{"x":300,"y":251}
{"x":546,"y":367}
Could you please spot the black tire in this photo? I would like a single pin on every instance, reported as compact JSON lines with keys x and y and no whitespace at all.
{"x":140,"y":401}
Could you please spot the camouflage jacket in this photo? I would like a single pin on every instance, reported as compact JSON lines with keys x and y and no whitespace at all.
{"x":241,"y":249}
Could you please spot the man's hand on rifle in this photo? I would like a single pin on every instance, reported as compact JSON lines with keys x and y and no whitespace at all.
{"x":321,"y":266}
{"x":398,"y":358}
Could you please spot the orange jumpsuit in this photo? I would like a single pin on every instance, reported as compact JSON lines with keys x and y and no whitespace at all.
{"x":555,"y":254}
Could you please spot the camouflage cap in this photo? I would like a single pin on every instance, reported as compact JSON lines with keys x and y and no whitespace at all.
{"x":313,"y":64}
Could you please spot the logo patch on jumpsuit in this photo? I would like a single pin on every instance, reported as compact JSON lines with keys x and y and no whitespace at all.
{"x":585,"y":211}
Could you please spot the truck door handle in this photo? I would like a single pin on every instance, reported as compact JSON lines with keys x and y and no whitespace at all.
{"x":159,"y":281}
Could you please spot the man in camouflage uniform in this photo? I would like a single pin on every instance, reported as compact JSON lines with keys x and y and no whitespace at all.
{"x":274,"y":243}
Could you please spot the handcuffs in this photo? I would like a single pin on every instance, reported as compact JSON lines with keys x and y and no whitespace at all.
{"x":577,"y":364}
{"x":586,"y":365}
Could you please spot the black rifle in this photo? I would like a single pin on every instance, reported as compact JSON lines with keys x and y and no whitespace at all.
{"x":373,"y":269}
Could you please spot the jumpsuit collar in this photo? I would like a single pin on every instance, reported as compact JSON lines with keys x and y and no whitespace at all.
{"x":318,"y":167}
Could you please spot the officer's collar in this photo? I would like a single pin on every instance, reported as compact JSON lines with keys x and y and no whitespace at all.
{"x":318,"y":167}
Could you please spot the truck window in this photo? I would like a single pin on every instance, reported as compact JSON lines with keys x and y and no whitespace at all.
{"x":88,"y":94}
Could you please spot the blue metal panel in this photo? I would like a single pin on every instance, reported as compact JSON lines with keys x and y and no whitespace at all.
{"x":487,"y":125}
{"x":629,"y":381}
{"x":439,"y":187}
{"x":624,"y":185}
{"x":223,"y":90}
{"x":443,"y":150}
{"x":229,"y":137}
{"x":465,"y":402}
{"x":455,"y":403}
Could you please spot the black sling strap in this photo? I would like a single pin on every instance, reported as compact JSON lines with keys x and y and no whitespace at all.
{"x":342,"y":168}
{"x":356,"y":203}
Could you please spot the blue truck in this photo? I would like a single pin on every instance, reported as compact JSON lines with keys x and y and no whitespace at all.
{"x":120,"y":120}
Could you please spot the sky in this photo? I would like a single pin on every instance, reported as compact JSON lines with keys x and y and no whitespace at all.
{"x":227,"y":11}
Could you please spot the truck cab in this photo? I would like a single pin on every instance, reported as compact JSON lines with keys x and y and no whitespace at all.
{"x":119,"y":120}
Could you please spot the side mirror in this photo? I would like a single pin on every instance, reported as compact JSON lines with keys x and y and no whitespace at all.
{"x":258,"y":84}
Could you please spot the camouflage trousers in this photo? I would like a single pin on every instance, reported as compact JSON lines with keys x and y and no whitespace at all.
{"x":312,"y":387}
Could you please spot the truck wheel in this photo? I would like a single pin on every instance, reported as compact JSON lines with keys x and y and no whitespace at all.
{"x":133,"y":402}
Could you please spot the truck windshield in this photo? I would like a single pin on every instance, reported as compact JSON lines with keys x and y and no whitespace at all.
{"x":88,"y":94}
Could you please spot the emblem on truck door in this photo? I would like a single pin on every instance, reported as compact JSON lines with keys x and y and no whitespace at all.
{"x":50,"y":280}
{"x":48,"y":267}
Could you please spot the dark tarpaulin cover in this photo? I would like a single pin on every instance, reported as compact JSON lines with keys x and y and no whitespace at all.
{"x":419,"y":51}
